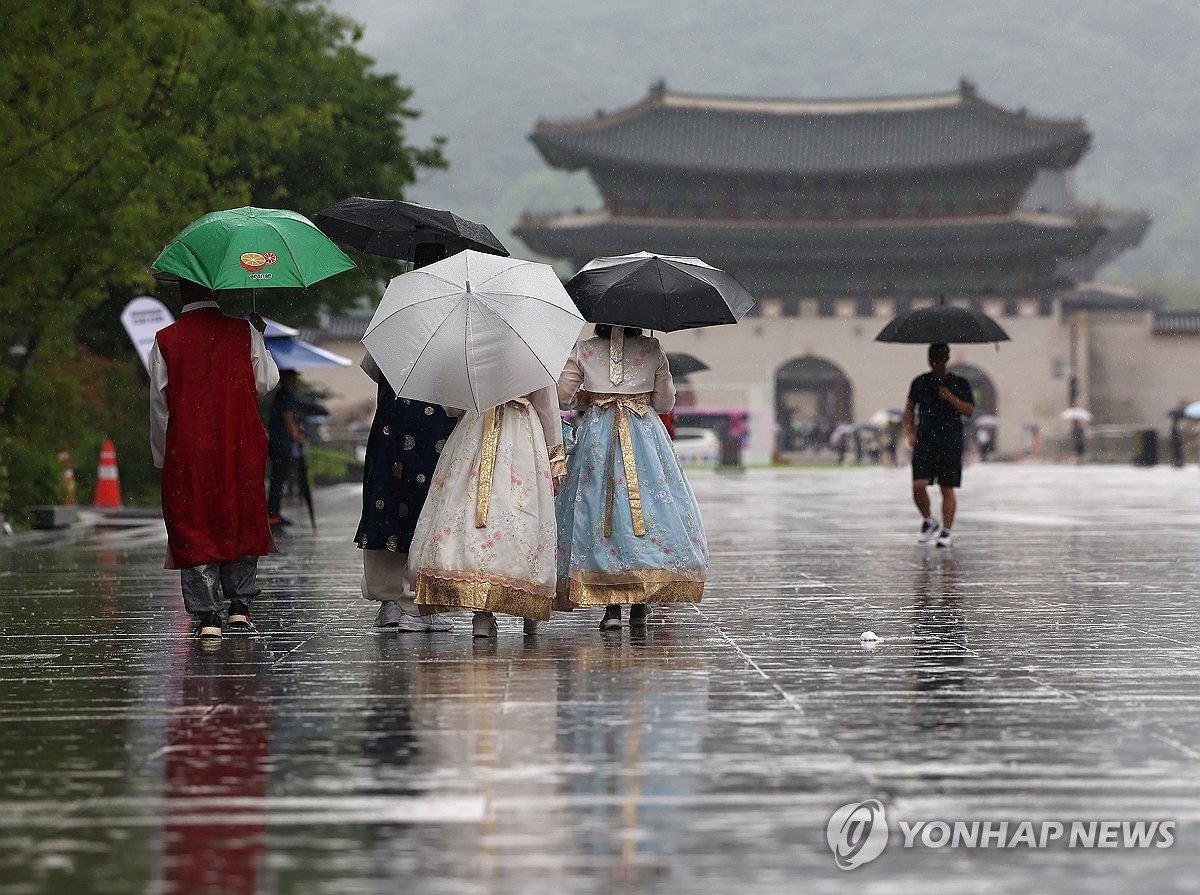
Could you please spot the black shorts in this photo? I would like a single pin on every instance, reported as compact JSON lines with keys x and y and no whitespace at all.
{"x":936,"y":465}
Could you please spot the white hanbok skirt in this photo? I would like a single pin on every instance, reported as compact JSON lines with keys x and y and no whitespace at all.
{"x":498,"y":554}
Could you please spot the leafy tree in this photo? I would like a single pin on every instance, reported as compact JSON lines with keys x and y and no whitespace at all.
{"x":122,"y":121}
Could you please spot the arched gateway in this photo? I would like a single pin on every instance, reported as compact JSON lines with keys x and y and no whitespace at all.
{"x":812,"y":395}
{"x":982,"y":388}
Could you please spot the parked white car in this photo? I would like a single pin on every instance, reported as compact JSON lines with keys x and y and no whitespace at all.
{"x":697,"y":447}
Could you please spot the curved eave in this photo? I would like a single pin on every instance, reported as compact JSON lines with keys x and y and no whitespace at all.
{"x":999,"y":236}
{"x":721,"y":123}
{"x":1059,"y":157}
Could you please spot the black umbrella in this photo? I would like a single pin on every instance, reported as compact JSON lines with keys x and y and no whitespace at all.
{"x":683,"y":364}
{"x":394,"y":229}
{"x":942,"y":323}
{"x":657,"y":292}
{"x":300,"y":470}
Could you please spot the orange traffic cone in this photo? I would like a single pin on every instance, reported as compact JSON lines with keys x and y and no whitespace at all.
{"x":108,"y":483}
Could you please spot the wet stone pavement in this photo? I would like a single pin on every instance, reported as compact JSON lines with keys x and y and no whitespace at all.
{"x":1045,"y":669}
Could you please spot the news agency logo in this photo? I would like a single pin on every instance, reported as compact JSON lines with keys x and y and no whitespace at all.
{"x":857,"y":833}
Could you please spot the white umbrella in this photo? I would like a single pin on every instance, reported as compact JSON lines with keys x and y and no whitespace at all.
{"x":883,"y":418}
{"x":473,"y":331}
{"x":986,"y":421}
{"x":840,"y":431}
{"x":1076,"y":414}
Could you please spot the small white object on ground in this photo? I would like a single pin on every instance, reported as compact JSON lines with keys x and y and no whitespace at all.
{"x":869,"y":636}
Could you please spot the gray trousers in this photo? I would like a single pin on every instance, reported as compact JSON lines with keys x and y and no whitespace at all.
{"x":206,"y":587}
{"x":386,"y":577}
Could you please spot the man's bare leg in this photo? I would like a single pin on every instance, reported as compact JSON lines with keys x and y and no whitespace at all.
{"x":949,"y":506}
{"x":921,"y":496}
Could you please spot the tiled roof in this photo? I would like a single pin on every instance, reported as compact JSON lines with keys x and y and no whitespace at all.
{"x":1109,"y":297}
{"x":825,"y":137}
{"x":1123,"y":230}
{"x":1176,"y":323}
{"x":856,"y":241}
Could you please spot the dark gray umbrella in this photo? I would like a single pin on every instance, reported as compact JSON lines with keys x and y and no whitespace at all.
{"x":683,"y":364}
{"x":394,"y":229}
{"x":942,"y":323}
{"x":300,"y":469}
{"x":657,"y":292}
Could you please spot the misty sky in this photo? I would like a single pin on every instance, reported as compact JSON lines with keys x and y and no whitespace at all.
{"x":483,"y":72}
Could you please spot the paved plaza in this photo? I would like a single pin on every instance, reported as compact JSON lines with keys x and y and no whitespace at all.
{"x":1044,"y":670}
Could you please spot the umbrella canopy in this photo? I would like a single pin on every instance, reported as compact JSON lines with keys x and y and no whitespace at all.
{"x":394,"y":229}
{"x":1192,"y":411}
{"x":657,"y":292}
{"x":986,"y":421}
{"x":942,"y":323}
{"x":251,"y":248}
{"x":884,"y":418}
{"x":1076,"y":414}
{"x":683,"y":364}
{"x":292,"y":353}
{"x":473,"y":331}
{"x":840,"y":431}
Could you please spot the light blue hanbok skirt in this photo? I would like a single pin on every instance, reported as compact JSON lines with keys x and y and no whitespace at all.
{"x":602,"y":556}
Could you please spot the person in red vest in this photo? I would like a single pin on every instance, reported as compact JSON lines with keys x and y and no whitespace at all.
{"x":206,"y":373}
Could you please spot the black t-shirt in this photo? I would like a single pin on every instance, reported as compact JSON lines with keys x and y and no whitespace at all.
{"x":277,"y":433}
{"x":939,"y":426}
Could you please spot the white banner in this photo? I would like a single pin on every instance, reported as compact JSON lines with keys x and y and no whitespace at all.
{"x":142,"y":318}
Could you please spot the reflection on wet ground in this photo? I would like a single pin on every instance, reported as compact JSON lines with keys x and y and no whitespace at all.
{"x":1046,"y":668}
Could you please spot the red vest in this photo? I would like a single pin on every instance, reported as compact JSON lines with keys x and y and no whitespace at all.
{"x":213,"y":498}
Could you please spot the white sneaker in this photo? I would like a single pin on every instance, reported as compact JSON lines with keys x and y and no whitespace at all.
{"x":484,"y":625}
{"x":929,"y":532}
{"x":945,"y":539}
{"x":439,"y":621}
{"x":389,"y":615}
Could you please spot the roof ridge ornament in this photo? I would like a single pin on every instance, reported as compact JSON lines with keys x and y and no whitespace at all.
{"x":967,"y":88}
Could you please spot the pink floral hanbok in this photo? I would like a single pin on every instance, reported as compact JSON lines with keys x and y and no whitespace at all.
{"x":485,"y":540}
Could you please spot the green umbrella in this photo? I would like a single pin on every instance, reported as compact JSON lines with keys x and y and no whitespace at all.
{"x":251,"y":248}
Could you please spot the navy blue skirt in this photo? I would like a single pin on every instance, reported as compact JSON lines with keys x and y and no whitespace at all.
{"x":402,"y":450}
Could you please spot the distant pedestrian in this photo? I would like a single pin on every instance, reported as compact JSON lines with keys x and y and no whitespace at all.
{"x":206,"y":373}
{"x":933,"y":426}
{"x":984,"y":441}
{"x":285,"y":438}
{"x":1177,"y":418}
{"x":1078,"y":440}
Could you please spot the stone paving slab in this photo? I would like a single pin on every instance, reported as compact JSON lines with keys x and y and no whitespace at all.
{"x":1045,"y":669}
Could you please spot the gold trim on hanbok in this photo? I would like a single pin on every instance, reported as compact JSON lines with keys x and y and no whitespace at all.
{"x":632,"y":586}
{"x":622,"y":440}
{"x":492,"y":418}
{"x":440,"y":591}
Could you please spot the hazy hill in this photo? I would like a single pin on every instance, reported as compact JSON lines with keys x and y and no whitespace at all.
{"x":485,"y":70}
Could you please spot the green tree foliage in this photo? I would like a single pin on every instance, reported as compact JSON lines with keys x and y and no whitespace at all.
{"x":122,"y":121}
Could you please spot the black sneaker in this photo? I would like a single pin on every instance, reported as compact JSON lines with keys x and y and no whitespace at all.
{"x":638,"y":613}
{"x":239,"y":619}
{"x":612,"y":619}
{"x":208,"y":626}
{"x":929,"y":531}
